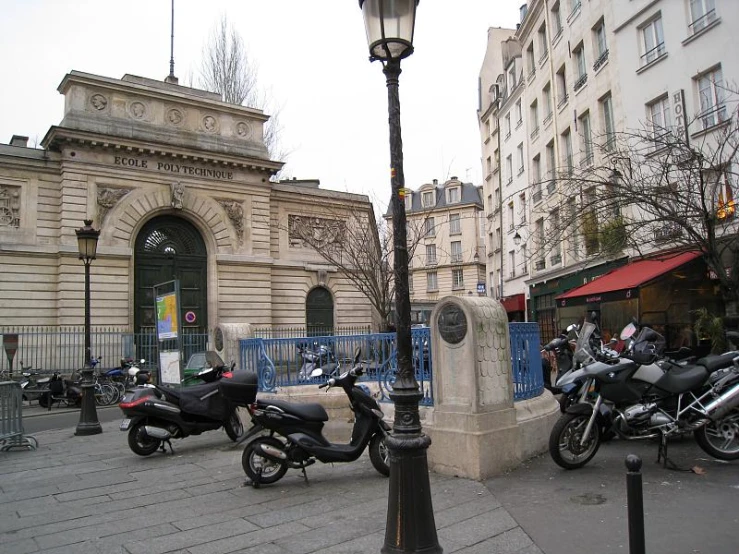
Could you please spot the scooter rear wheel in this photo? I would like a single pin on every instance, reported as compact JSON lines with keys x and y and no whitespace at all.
{"x":141,"y":443}
{"x":259,"y":469}
{"x":234,"y":428}
{"x":379,"y":455}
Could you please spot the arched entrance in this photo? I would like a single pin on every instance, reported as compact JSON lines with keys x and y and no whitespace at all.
{"x":168,"y":248}
{"x":319,"y":312}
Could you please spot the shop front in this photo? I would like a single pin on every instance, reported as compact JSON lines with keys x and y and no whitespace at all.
{"x":662,"y":292}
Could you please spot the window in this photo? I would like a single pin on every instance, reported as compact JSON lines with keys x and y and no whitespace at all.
{"x":562,"y":96}
{"x":524,"y":269}
{"x":430,"y":254}
{"x":511,"y":217}
{"x":512,"y":264}
{"x":456,"y":251}
{"x":512,"y":77}
{"x":567,"y":152}
{"x":408,"y":199}
{"x":536,"y":178}
{"x":457,"y":279}
{"x":540,"y":241}
{"x":551,"y":161}
{"x":600,"y":46}
{"x":531,"y":60}
{"x":519,"y":150}
{"x":556,"y":21}
{"x":702,"y":14}
{"x":724,"y":193}
{"x":574,"y":234}
{"x":542,"y":34}
{"x":574,"y":9}
{"x":497,"y":198}
{"x":547,"y":99}
{"x":508,"y":125}
{"x":498,"y":238}
{"x":489,"y":166}
{"x":428,"y":227}
{"x":711,"y":98}
{"x":452,"y":195}
{"x":428,"y":199}
{"x":586,"y":137}
{"x":410,"y":283}
{"x":653,"y":41}
{"x":496,"y":160}
{"x":658,"y":113}
{"x":482,"y":220}
{"x":555,"y":231}
{"x":431,"y":282}
{"x":534,"y":116}
{"x":522,"y":203}
{"x":509,"y":168}
{"x":455,"y":226}
{"x":581,"y":68}
{"x":519,"y":114}
{"x":606,"y":105}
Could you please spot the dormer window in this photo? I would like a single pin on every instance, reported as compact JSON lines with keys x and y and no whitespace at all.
{"x":452,"y":195}
{"x":408,"y":201}
{"x":428,"y":199}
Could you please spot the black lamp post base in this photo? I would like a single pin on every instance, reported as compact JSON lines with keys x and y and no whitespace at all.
{"x":88,"y":424}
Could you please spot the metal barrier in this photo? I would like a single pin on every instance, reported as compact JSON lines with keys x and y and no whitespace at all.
{"x":11,"y":418}
{"x":528,"y":379}
{"x":278,"y":361}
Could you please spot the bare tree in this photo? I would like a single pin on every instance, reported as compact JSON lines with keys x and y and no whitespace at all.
{"x":656,"y":189}
{"x":226,"y":68}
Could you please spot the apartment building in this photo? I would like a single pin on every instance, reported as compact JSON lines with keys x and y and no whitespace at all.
{"x":446,"y":245}
{"x":592,"y":70}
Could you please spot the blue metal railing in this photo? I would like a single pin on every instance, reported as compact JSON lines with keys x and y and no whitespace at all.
{"x":278,"y":361}
{"x":528,"y":379}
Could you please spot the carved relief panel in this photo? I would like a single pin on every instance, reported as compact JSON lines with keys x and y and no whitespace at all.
{"x":10,"y":207}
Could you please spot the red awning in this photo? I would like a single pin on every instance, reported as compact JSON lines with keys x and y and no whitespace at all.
{"x":631,"y":275}
{"x":515,"y":303}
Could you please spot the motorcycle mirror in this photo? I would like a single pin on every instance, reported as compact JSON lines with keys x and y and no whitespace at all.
{"x":571,"y":327}
{"x":357,"y":353}
{"x":142,"y":361}
{"x":316,"y":372}
{"x":628,"y":331}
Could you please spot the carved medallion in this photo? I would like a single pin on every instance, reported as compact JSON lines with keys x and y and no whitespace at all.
{"x":243,"y":129}
{"x":175,"y":117}
{"x":316,"y":232}
{"x":210,"y":124}
{"x":10,"y":206}
{"x":452,"y":323}
{"x":138,"y":110}
{"x":98,"y":101}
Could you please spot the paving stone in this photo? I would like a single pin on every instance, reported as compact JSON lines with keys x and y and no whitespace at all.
{"x":479,"y":528}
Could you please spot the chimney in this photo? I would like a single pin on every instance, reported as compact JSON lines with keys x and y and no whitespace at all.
{"x":436,"y":182}
{"x":20,"y":141}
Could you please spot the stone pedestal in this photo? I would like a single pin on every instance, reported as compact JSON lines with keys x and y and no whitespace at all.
{"x":475,"y":433}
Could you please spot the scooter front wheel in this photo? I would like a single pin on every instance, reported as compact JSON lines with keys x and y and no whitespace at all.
{"x":261,"y":470}
{"x":379,"y":455}
{"x":141,"y":443}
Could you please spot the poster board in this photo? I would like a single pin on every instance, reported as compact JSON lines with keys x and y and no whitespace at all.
{"x":169,"y":335}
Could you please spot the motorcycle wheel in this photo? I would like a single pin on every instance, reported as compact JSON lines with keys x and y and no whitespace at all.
{"x":260,"y":469}
{"x":379,"y":455}
{"x":564,"y":441}
{"x":141,"y":443}
{"x":44,"y":400}
{"x":234,"y":428}
{"x":720,"y":438}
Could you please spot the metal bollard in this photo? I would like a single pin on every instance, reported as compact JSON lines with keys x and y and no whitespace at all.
{"x":635,"y":504}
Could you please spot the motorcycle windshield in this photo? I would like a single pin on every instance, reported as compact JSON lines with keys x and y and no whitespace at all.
{"x":583,"y":353}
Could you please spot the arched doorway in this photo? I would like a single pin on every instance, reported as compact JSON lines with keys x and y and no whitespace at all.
{"x":168,"y":248}
{"x":319,"y":312}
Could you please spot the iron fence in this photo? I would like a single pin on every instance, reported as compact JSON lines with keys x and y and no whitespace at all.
{"x":62,"y":348}
{"x":528,"y":379}
{"x":281,"y":332}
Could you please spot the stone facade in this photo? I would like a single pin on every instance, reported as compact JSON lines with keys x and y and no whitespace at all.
{"x":131,"y":150}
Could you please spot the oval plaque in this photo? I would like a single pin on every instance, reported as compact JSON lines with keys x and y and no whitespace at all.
{"x":452,"y":323}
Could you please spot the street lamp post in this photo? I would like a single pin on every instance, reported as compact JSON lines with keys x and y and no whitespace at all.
{"x":87,"y":242}
{"x":410,"y":518}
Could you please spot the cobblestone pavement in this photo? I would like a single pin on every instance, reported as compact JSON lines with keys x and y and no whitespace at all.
{"x":93,"y":495}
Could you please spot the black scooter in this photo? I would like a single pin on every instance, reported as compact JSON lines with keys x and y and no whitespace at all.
{"x":267,"y":458}
{"x":156,"y":413}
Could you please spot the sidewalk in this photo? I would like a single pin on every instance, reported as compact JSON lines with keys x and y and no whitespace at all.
{"x":93,"y":495}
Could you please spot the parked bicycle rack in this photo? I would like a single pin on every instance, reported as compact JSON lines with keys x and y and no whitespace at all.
{"x":11,"y":418}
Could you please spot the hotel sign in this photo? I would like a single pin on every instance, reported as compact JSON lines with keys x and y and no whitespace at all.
{"x":678,"y":109}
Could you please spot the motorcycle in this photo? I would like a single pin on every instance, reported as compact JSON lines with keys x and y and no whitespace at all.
{"x":320,"y":356}
{"x":295,"y":432}
{"x":155,"y":414}
{"x":61,"y":390}
{"x":559,"y":347}
{"x":652,"y":397}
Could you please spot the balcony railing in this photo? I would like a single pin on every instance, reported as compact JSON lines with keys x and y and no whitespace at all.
{"x":535,"y":132}
{"x":456,"y":258}
{"x":556,"y":259}
{"x":703,"y":21}
{"x":547,"y":119}
{"x":543,"y":57}
{"x":581,"y":82}
{"x":603,"y":58}
{"x":668,"y":232}
{"x":540,"y":264}
{"x":563,"y":100}
{"x":551,"y":186}
{"x":537,"y":197}
{"x":431,"y":262}
{"x":650,"y":55}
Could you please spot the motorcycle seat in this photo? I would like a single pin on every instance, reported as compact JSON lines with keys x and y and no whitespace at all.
{"x":682,"y":379}
{"x":194,"y":393}
{"x":308,"y":411}
{"x":715,"y":362}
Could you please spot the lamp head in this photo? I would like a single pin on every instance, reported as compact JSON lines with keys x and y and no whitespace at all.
{"x":87,"y":241}
{"x":517,"y":239}
{"x":389,"y":25}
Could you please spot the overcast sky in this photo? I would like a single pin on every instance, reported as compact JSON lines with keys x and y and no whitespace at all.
{"x":312,"y":56}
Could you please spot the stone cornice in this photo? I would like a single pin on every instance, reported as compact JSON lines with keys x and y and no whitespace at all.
{"x":57,"y":136}
{"x":322,"y":193}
